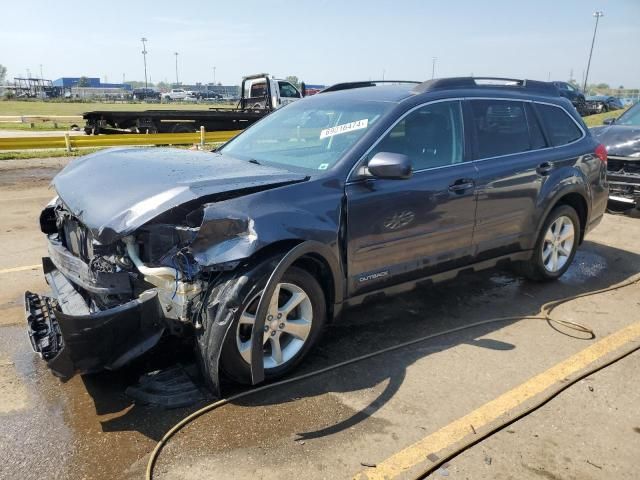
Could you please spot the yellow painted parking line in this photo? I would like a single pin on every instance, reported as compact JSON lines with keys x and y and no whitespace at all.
{"x":504,"y":404}
{"x":20,"y":269}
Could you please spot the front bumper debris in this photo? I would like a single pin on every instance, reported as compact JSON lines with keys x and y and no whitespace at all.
{"x":72,"y":339}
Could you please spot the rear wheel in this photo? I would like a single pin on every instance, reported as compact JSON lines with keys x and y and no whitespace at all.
{"x":556,"y":246}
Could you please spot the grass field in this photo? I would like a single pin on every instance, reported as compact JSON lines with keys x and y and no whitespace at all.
{"x":48,"y":126}
{"x":14,"y":107}
{"x":595,"y":120}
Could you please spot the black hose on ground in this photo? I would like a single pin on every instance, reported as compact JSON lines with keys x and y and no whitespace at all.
{"x":545,"y":311}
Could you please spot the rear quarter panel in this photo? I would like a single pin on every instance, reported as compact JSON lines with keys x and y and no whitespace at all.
{"x":577,"y":170}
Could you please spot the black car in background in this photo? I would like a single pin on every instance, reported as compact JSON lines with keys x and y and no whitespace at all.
{"x":145,"y":94}
{"x":574,"y":95}
{"x":338,"y":198}
{"x":208,"y":95}
{"x":603,"y":103}
{"x":621,"y":136}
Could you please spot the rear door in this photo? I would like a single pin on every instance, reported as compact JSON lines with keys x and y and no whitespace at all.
{"x":398,"y":230}
{"x":513,"y":161}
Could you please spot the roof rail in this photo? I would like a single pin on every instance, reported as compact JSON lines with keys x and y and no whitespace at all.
{"x":367,"y":83}
{"x":487,"y":82}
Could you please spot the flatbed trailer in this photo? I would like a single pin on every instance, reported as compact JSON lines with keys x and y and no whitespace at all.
{"x":260,"y":95}
{"x":170,"y":121}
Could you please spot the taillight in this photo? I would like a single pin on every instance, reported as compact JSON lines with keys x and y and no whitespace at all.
{"x":601,"y":153}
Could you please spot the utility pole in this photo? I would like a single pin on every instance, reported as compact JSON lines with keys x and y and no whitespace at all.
{"x":144,"y":56}
{"x":597,"y":15}
{"x":433,"y":67}
{"x":177,"y":82}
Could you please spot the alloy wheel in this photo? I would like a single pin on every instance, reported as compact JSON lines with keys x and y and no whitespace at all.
{"x":286,"y":329}
{"x":558,"y":244}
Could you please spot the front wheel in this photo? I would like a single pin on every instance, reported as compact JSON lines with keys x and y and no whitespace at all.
{"x":296,"y":316}
{"x":556,"y":246}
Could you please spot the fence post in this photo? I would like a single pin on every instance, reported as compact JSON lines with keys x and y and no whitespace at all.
{"x":67,"y":142}
{"x":202,"y":136}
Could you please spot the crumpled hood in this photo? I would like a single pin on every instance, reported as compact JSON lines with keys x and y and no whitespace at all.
{"x":620,"y":140}
{"x":116,"y":191}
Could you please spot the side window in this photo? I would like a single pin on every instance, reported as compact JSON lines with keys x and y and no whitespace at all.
{"x":430,"y":136}
{"x":535,"y":132}
{"x":287,"y":90}
{"x":501,"y":127}
{"x":559,"y":125}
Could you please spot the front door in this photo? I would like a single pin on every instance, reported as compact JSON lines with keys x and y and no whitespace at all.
{"x":399,"y":230}
{"x":287,"y":93}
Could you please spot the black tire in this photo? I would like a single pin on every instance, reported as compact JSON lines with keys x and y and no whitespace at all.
{"x":233,"y":301}
{"x":534,"y":268}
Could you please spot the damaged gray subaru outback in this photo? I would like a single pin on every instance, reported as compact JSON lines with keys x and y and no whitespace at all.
{"x":361,"y":190}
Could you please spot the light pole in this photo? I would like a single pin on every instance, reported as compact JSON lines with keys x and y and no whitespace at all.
{"x":383,"y":72}
{"x":597,"y":14}
{"x":144,"y":56}
{"x":214,"y":76}
{"x":433,"y":68}
{"x":177,"y":82}
{"x":41,"y":76}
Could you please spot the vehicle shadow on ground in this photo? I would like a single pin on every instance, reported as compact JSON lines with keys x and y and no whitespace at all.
{"x":427,"y":310}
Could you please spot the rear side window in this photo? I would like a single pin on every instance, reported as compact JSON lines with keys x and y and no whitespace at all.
{"x":560,"y":127}
{"x":501,"y":127}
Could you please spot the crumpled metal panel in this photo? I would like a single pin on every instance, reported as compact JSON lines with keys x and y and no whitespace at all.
{"x":116,"y":191}
{"x":235,"y":229}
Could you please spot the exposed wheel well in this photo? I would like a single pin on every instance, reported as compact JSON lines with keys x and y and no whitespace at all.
{"x":315,"y":264}
{"x":579,"y":204}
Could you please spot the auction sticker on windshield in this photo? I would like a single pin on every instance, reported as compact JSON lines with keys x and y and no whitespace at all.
{"x":344,"y":128}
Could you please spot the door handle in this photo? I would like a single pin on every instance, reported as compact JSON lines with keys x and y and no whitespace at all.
{"x":544,"y":168}
{"x":460,"y":185}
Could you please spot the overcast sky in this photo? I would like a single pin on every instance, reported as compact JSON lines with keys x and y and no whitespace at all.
{"x":322,"y":41}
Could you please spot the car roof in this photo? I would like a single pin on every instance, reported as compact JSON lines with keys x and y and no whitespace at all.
{"x":444,"y":87}
{"x":376,"y":93}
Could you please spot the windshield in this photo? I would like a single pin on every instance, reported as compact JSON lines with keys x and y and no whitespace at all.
{"x":630,"y":117}
{"x":310,"y":135}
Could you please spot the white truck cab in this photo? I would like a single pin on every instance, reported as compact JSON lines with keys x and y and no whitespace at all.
{"x":261,"y":91}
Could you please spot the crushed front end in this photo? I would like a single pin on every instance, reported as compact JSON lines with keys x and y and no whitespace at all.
{"x":623,"y":174}
{"x":109,"y":303}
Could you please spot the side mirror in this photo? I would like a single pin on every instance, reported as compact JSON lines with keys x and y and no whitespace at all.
{"x":609,"y":121}
{"x":393,"y":166}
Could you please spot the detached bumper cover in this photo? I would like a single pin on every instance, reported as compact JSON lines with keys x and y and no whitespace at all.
{"x":73,"y":340}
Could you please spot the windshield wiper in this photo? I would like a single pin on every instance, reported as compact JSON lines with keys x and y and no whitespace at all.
{"x":253,"y":160}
